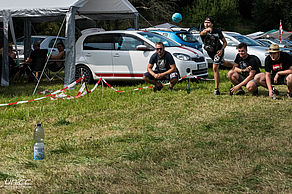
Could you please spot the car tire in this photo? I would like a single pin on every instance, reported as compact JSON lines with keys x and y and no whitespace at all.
{"x":83,"y":70}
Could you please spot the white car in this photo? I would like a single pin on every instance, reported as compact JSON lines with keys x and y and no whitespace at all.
{"x":124,"y":55}
{"x":46,"y":42}
{"x":233,"y":39}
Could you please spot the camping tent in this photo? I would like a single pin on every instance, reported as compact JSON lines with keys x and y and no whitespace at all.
{"x":43,"y":10}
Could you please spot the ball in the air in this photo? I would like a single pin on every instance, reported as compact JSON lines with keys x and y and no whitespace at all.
{"x":176,"y":17}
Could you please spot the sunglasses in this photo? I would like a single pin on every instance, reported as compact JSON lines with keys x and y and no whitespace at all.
{"x":158,"y":49}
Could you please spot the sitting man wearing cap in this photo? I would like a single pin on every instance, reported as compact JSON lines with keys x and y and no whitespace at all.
{"x":280,"y":64}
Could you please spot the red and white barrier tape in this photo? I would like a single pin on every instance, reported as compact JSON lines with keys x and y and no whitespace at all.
{"x":49,"y":95}
{"x":111,"y":86}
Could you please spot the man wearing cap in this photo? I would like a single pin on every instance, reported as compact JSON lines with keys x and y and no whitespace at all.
{"x":278,"y":66}
{"x":211,"y":38}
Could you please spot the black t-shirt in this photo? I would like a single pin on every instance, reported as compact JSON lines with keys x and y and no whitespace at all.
{"x":251,"y":60}
{"x":163,"y":63}
{"x":38,"y":59}
{"x":213,"y":38}
{"x":283,"y":63}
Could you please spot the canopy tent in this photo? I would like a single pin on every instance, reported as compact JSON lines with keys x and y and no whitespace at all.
{"x":271,"y":34}
{"x":43,"y":10}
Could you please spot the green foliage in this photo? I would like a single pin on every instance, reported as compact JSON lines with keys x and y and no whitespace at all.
{"x":224,"y":11}
{"x":268,"y":13}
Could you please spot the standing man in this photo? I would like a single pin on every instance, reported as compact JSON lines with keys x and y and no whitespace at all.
{"x":278,"y":66}
{"x":211,"y":38}
{"x":245,"y":68}
{"x":165,"y":68}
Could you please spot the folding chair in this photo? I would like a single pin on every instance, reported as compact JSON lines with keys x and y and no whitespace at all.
{"x":53,"y":70}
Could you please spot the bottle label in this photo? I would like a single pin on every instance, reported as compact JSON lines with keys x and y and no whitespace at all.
{"x":39,"y":153}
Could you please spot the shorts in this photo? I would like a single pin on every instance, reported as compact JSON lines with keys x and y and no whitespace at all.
{"x":281,"y":79}
{"x":242,"y":77}
{"x":216,"y":59}
{"x":167,"y":77}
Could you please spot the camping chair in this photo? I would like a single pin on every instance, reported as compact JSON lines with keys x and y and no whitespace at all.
{"x":54,"y":69}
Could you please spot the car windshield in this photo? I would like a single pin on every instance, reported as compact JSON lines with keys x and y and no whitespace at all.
{"x":244,"y":39}
{"x":187,"y":37}
{"x":20,"y":41}
{"x":158,"y":38}
{"x":266,"y":44}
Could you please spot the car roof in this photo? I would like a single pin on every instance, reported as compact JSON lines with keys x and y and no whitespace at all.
{"x":114,"y":31}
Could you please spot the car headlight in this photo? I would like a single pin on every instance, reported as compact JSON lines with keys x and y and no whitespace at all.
{"x":182,"y":57}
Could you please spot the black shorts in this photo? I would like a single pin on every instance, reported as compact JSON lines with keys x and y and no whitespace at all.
{"x":167,"y":77}
{"x":216,"y":59}
{"x":281,"y":79}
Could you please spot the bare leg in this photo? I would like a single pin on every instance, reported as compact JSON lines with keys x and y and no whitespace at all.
{"x":173,"y":82}
{"x":216,"y":75}
{"x":289,"y":83}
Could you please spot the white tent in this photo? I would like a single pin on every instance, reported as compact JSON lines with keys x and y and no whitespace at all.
{"x":44,"y":10}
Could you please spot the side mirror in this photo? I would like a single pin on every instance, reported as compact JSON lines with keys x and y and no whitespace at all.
{"x":142,"y":48}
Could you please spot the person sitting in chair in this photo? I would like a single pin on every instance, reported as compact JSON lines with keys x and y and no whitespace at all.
{"x":36,"y":60}
{"x":59,"y":63}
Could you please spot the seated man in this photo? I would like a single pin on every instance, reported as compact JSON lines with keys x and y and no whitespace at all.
{"x":165,"y":68}
{"x":36,"y":60}
{"x":245,"y":68}
{"x":278,"y":66}
{"x":58,"y":64}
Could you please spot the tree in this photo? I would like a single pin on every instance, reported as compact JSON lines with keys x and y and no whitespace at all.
{"x":225,"y":12}
{"x":267,"y":14}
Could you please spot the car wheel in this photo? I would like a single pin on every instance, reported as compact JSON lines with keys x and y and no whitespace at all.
{"x":83,"y":70}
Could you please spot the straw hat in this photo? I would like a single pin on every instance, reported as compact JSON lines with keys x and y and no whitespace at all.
{"x":274,"y":48}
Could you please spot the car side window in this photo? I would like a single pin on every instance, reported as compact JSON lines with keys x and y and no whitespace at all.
{"x":128,"y":42}
{"x":229,"y":42}
{"x":99,"y":42}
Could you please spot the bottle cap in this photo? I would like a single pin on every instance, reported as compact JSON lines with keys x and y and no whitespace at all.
{"x":39,"y":124}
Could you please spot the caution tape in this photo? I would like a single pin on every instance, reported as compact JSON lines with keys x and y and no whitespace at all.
{"x":60,"y":94}
{"x":49,"y":95}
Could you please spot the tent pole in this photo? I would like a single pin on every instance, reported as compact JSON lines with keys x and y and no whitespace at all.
{"x":27,"y":35}
{"x":70,"y":47}
{"x":5,"y":61}
{"x":136,"y":21}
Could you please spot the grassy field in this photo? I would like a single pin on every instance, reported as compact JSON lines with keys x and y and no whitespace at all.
{"x":141,"y":141}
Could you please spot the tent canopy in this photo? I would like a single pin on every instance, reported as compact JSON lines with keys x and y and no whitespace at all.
{"x":44,"y":10}
{"x":41,"y":8}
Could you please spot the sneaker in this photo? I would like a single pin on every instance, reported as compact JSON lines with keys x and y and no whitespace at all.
{"x":240,"y":92}
{"x":275,"y":90}
{"x":256,"y":93}
{"x":216,"y":92}
{"x":289,"y":95}
{"x":158,"y":87}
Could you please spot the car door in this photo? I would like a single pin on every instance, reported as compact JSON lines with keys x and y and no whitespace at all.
{"x":128,"y":62}
{"x":97,"y":52}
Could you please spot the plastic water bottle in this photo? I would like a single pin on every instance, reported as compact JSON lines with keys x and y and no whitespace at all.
{"x":274,"y":94}
{"x":188,"y":87}
{"x":39,"y":146}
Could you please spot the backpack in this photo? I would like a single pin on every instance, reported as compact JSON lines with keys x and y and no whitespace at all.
{"x":211,"y":43}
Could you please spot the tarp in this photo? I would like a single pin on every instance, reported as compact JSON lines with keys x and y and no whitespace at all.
{"x":271,"y":34}
{"x":44,"y":10}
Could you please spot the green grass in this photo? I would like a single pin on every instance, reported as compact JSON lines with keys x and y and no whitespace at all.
{"x":141,"y":141}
